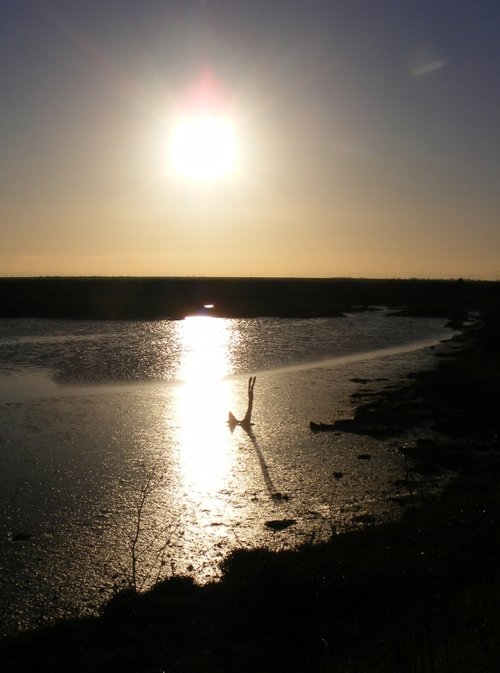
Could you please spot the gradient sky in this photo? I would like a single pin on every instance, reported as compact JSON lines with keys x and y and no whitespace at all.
{"x":368,"y":138}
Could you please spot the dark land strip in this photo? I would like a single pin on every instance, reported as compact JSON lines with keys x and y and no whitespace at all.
{"x":418,"y":594}
{"x":172,"y":298}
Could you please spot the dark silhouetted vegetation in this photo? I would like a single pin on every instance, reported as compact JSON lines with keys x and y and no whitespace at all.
{"x":157,"y":298}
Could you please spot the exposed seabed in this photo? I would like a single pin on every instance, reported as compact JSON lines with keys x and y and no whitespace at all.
{"x":417,"y":594}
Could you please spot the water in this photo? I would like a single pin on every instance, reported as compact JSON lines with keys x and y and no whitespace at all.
{"x":101,"y":419}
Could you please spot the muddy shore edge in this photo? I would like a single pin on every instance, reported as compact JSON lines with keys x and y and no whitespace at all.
{"x":417,"y":594}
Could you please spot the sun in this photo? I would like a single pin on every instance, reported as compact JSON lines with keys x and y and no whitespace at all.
{"x":202,"y":147}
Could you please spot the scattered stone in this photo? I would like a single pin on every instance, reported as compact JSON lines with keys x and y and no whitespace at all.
{"x":337,"y":475}
{"x":20,"y":537}
{"x":364,"y":456}
{"x":280,"y":496}
{"x":320,"y":427}
{"x":280,"y":524}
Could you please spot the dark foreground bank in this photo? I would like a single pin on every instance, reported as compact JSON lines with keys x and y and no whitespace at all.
{"x":419,"y":594}
{"x":171,"y":298}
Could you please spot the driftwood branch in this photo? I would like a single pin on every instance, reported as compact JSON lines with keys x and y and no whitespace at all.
{"x":246,"y":421}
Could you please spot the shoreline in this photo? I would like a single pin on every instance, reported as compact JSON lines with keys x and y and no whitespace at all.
{"x":390,"y":597}
{"x":391,"y":410}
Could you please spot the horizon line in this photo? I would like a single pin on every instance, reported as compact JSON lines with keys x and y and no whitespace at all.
{"x":250,"y":278}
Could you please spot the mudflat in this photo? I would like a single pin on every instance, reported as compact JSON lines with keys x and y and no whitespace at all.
{"x":417,"y":594}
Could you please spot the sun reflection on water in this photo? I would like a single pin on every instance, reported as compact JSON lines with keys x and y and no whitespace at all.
{"x":205,"y":349}
{"x":204,"y":398}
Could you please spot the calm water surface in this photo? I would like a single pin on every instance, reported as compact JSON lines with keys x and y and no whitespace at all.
{"x":99,"y":419}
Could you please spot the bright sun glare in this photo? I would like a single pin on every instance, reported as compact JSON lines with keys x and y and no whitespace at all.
{"x":202,"y":147}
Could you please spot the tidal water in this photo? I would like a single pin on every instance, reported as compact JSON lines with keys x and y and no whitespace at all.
{"x":117,"y":464}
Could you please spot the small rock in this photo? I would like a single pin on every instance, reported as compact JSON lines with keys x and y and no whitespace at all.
{"x":280,"y":524}
{"x":364,"y":456}
{"x":20,"y":537}
{"x":280,"y":496}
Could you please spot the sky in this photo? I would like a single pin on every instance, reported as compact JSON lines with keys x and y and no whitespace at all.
{"x":366,"y":138}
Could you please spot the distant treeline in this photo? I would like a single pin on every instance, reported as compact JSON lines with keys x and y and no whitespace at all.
{"x":172,"y":298}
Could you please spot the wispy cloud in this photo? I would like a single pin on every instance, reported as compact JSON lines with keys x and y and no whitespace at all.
{"x":426,"y":67}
